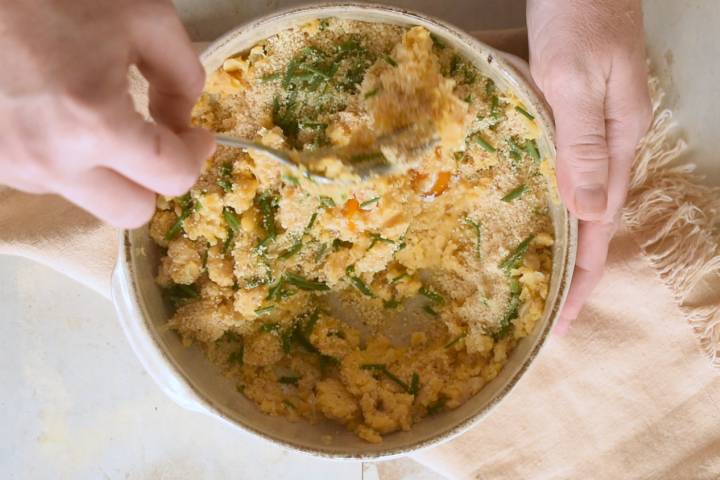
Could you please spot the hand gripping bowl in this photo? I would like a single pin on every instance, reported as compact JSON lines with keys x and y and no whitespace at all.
{"x":193,"y":382}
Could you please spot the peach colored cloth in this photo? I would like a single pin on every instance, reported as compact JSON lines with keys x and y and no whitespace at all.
{"x":627,"y":394}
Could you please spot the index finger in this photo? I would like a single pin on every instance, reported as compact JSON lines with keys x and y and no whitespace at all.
{"x":167,"y":60}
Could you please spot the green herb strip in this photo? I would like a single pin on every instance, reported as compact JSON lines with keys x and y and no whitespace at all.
{"x":515,"y":258}
{"x":414,"y":384}
{"x":455,"y":340}
{"x":511,"y":313}
{"x":376,"y":237}
{"x":178,"y":294}
{"x":524,"y":113}
{"x":304,"y":284}
{"x":186,"y":204}
{"x":484,"y":144}
{"x":437,"y":43}
{"x":431,"y":295}
{"x":381,"y":368}
{"x":532,"y":150}
{"x":495,"y":107}
{"x":358,"y":282}
{"x":372,"y":201}
{"x":371,"y":93}
{"x":478,"y":233}
{"x":368,"y":157}
{"x":326,"y":202}
{"x":437,"y":407}
{"x":229,"y":243}
{"x":225,"y":176}
{"x":236,"y":357}
{"x":515,"y":193}
{"x":430,"y":311}
{"x":267,"y":204}
{"x":291,"y":180}
{"x":271,"y":77}
{"x":290,"y":252}
{"x":289,"y":380}
{"x":232,"y":220}
{"x":390,"y":60}
{"x":391,"y":304}
{"x":399,"y":278}
{"x":264,"y":310}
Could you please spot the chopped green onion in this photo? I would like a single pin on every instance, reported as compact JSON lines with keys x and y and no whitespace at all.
{"x":478,"y":231}
{"x":455,"y":340}
{"x":367,"y":203}
{"x":186,"y":203}
{"x":390,"y":60}
{"x":236,"y":357}
{"x":515,"y":258}
{"x":368,"y":157}
{"x":270,"y":77}
{"x":289,"y":380}
{"x":414,"y":384}
{"x":484,"y":144}
{"x":264,"y":310}
{"x":437,"y":42}
{"x":297,"y":246}
{"x":398,"y":278}
{"x":179,"y":294}
{"x":321,"y":252}
{"x":232,"y":220}
{"x":507,"y":321}
{"x":311,"y":222}
{"x":291,"y":179}
{"x":495,"y":107}
{"x":381,"y":368}
{"x":326,"y":202}
{"x":515,"y":193}
{"x":371,"y":93}
{"x":436,"y":407}
{"x":454,"y":64}
{"x":430,"y":311}
{"x":229,"y":243}
{"x":431,"y":295}
{"x":377,"y":238}
{"x":391,"y":304}
{"x":524,"y":113}
{"x":358,"y":282}
{"x":532,"y":150}
{"x":304,"y":284}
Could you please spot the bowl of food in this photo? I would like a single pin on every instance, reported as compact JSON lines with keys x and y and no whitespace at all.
{"x":364,"y":319}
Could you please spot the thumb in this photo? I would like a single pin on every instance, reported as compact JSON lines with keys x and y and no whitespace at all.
{"x":582,"y":148}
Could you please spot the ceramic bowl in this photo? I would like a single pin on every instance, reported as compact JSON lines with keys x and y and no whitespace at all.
{"x":193,"y":382}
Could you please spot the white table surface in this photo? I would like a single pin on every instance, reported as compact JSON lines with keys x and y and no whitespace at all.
{"x":74,"y":401}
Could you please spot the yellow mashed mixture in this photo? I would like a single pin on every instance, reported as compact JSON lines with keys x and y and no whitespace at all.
{"x":379,"y":303}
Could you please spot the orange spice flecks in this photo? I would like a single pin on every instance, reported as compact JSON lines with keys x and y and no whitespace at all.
{"x":416,"y":179}
{"x":350,"y":209}
{"x":441,"y":184}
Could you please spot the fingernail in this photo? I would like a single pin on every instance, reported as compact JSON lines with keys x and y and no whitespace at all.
{"x":590,"y":199}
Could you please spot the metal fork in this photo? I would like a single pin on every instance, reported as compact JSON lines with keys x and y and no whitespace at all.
{"x":371,"y":166}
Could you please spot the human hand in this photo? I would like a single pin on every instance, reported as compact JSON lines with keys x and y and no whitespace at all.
{"x":67,"y":122}
{"x":588,"y":58}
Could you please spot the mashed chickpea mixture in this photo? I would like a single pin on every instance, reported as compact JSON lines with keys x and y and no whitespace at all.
{"x":377,"y":303}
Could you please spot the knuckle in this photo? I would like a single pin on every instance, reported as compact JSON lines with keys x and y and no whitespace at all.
{"x":136,"y":214}
{"x":587,"y":152}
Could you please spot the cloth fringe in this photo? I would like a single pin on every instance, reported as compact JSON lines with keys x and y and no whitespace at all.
{"x":675,"y":220}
